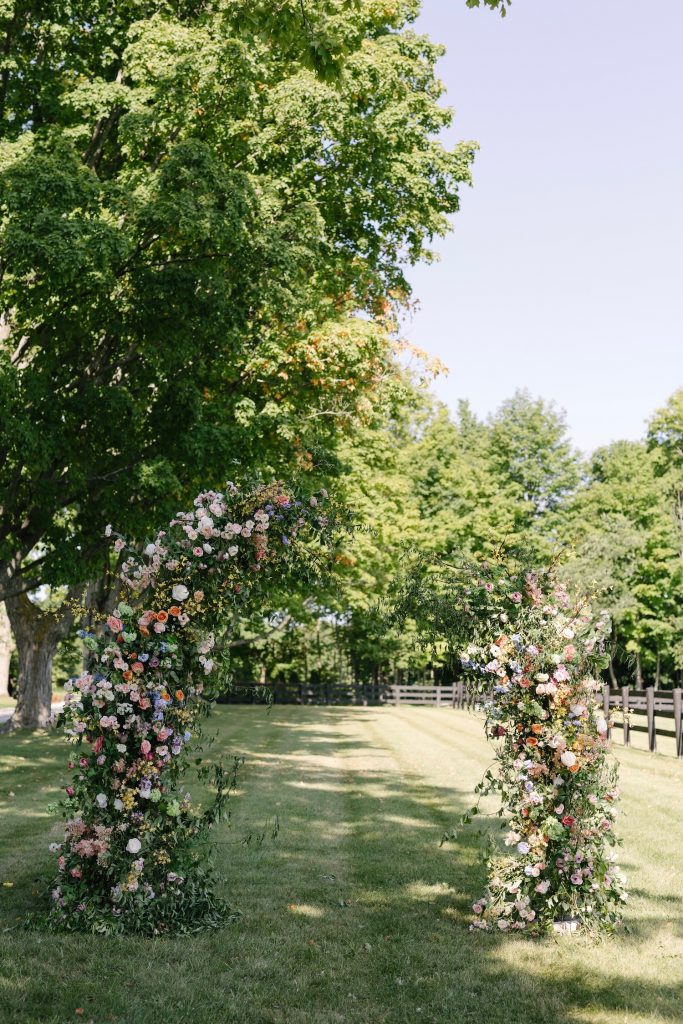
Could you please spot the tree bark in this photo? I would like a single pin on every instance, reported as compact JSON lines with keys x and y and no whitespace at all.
{"x":612,"y":674}
{"x":639,"y":672}
{"x":37,"y":635}
{"x":6,"y":648}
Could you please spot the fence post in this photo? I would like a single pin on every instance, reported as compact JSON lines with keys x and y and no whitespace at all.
{"x":605,"y":707}
{"x":624,"y":705}
{"x":678,"y":723}
{"x":651,"y":727}
{"x":397,"y":697}
{"x":461,"y":694}
{"x":438,"y":696}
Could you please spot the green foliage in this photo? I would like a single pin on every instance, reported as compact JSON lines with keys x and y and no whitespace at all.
{"x":501,"y":5}
{"x":623,"y":535}
{"x":196,"y":200}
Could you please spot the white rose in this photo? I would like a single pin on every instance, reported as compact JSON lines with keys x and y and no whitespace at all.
{"x":180,"y":592}
{"x":601,"y":725}
{"x":150,"y":550}
{"x":121,"y":747}
{"x":568,"y":759}
{"x":232,"y":550}
{"x":133,"y":846}
{"x":101,"y":800}
{"x":118,"y":804}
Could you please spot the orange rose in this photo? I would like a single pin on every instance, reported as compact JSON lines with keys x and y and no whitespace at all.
{"x":179,"y":695}
{"x":537,"y":728}
{"x":162,"y":616}
{"x":144,"y":630}
{"x":574,"y":768}
{"x":174,"y":610}
{"x":128,"y":675}
{"x":531,"y":741}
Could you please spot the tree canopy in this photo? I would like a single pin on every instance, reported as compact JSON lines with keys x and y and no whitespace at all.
{"x":190,"y":215}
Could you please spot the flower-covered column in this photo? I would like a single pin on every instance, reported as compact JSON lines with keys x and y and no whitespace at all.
{"x":531,"y":659}
{"x":133,"y":854}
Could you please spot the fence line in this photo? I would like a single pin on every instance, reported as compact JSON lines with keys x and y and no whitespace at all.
{"x":651,"y":705}
{"x":656,"y":712}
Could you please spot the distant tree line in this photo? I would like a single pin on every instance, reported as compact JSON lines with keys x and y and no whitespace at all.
{"x":428,"y":484}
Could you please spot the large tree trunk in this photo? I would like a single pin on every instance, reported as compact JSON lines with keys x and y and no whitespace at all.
{"x":6,"y":648}
{"x":37,"y":635}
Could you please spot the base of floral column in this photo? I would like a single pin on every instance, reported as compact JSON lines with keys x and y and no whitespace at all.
{"x":567,"y":926}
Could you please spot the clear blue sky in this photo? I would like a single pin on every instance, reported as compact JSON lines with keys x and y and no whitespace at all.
{"x":564,"y":273}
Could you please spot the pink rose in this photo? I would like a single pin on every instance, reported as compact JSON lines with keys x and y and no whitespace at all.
{"x":145,"y":746}
{"x":115,"y":625}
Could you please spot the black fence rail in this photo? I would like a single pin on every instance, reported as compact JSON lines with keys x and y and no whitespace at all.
{"x":287,"y":692}
{"x":651,"y":711}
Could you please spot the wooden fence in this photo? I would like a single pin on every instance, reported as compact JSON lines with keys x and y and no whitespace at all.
{"x":651,"y":711}
{"x":648,"y":711}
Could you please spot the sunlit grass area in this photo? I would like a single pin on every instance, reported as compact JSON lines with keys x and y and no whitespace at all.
{"x":353,"y":913}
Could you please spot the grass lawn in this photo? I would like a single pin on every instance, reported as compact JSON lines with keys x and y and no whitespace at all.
{"x":353,"y":913}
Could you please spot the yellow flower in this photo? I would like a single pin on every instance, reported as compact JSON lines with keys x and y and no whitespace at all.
{"x":128,"y":798}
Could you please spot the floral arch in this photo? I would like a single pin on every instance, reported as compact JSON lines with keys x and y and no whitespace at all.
{"x":131,"y":858}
